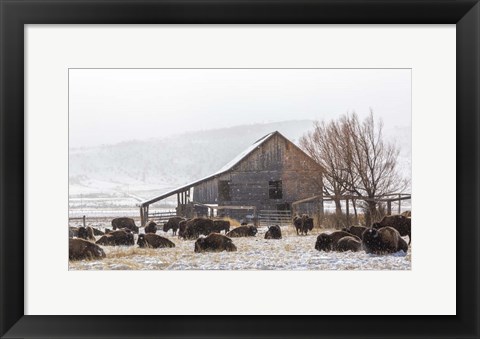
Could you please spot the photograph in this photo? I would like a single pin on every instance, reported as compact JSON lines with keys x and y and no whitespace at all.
{"x":239,"y":169}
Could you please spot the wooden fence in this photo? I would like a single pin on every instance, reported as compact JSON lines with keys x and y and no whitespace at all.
{"x":274,"y":217}
{"x":161,"y":217}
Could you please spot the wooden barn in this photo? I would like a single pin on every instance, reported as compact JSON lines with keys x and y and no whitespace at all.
{"x":264,"y":179}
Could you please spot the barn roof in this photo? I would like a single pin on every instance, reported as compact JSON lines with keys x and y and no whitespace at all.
{"x":221,"y":171}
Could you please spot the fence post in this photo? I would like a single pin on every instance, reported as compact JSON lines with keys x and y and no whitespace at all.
{"x":399,"y":204}
{"x":389,"y":207}
{"x":83,"y":221}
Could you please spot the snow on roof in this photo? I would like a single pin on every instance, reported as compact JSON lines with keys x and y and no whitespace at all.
{"x":244,"y":154}
{"x":222,"y":170}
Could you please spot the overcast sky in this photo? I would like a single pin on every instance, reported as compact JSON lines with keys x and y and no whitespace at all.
{"x":110,"y":106}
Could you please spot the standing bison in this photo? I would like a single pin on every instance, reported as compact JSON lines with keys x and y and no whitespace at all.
{"x":221,"y":225}
{"x":116,"y":238}
{"x":125,"y":223}
{"x":214,"y":242}
{"x":329,"y":242}
{"x":152,"y":240}
{"x":196,"y":227}
{"x":303,"y":224}
{"x":399,"y":222}
{"x":274,"y":232}
{"x":79,"y":249}
{"x":383,"y":240}
{"x":349,"y":244}
{"x":298,"y":223}
{"x":172,"y":224}
{"x":151,"y":227}
{"x":242,"y":231}
{"x":182,"y":227}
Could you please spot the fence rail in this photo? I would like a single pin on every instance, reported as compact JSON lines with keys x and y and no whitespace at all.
{"x":273,"y":217}
{"x":160,"y":217}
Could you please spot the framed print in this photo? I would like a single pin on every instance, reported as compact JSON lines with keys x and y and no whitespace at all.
{"x":228,"y":122}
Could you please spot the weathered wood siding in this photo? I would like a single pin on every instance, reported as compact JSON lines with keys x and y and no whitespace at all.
{"x":206,"y":192}
{"x":276,"y":159}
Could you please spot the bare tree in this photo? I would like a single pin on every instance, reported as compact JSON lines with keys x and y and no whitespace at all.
{"x":324,"y":144}
{"x":356,"y":160}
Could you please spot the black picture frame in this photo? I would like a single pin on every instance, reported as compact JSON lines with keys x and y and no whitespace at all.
{"x":16,"y":13}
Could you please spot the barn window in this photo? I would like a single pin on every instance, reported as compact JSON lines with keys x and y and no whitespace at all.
{"x":224,"y":190}
{"x":275,"y":189}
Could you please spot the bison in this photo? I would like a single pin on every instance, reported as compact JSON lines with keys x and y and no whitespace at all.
{"x":86,"y":233}
{"x":298,"y":223}
{"x":303,"y":224}
{"x":79,"y":249}
{"x":172,"y":224}
{"x":355,"y":230}
{"x":329,"y":242}
{"x":399,"y":222}
{"x":383,"y":240}
{"x":152,"y":240}
{"x":118,"y":237}
{"x":242,"y":231}
{"x":214,"y":242}
{"x":182,"y":226}
{"x":307,"y":223}
{"x":151,"y":227}
{"x":125,"y":223}
{"x":198,"y":226}
{"x":349,"y":243}
{"x":96,"y":232}
{"x":221,"y":225}
{"x":274,"y":232}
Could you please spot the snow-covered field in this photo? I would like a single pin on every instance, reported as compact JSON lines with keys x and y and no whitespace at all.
{"x":254,"y":253}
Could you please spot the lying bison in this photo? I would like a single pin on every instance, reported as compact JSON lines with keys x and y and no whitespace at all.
{"x":242,"y":231}
{"x":172,"y":224}
{"x":96,"y":232}
{"x":221,"y":225}
{"x":274,"y":232}
{"x":329,"y":242}
{"x":116,"y":238}
{"x":151,"y":227}
{"x":198,"y":226}
{"x":125,"y":223}
{"x":214,"y":242}
{"x":79,"y":249}
{"x":86,"y":233}
{"x":303,"y":224}
{"x":399,"y":222}
{"x":152,"y":240}
{"x":383,"y":240}
{"x":355,"y":230}
{"x":349,"y":243}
